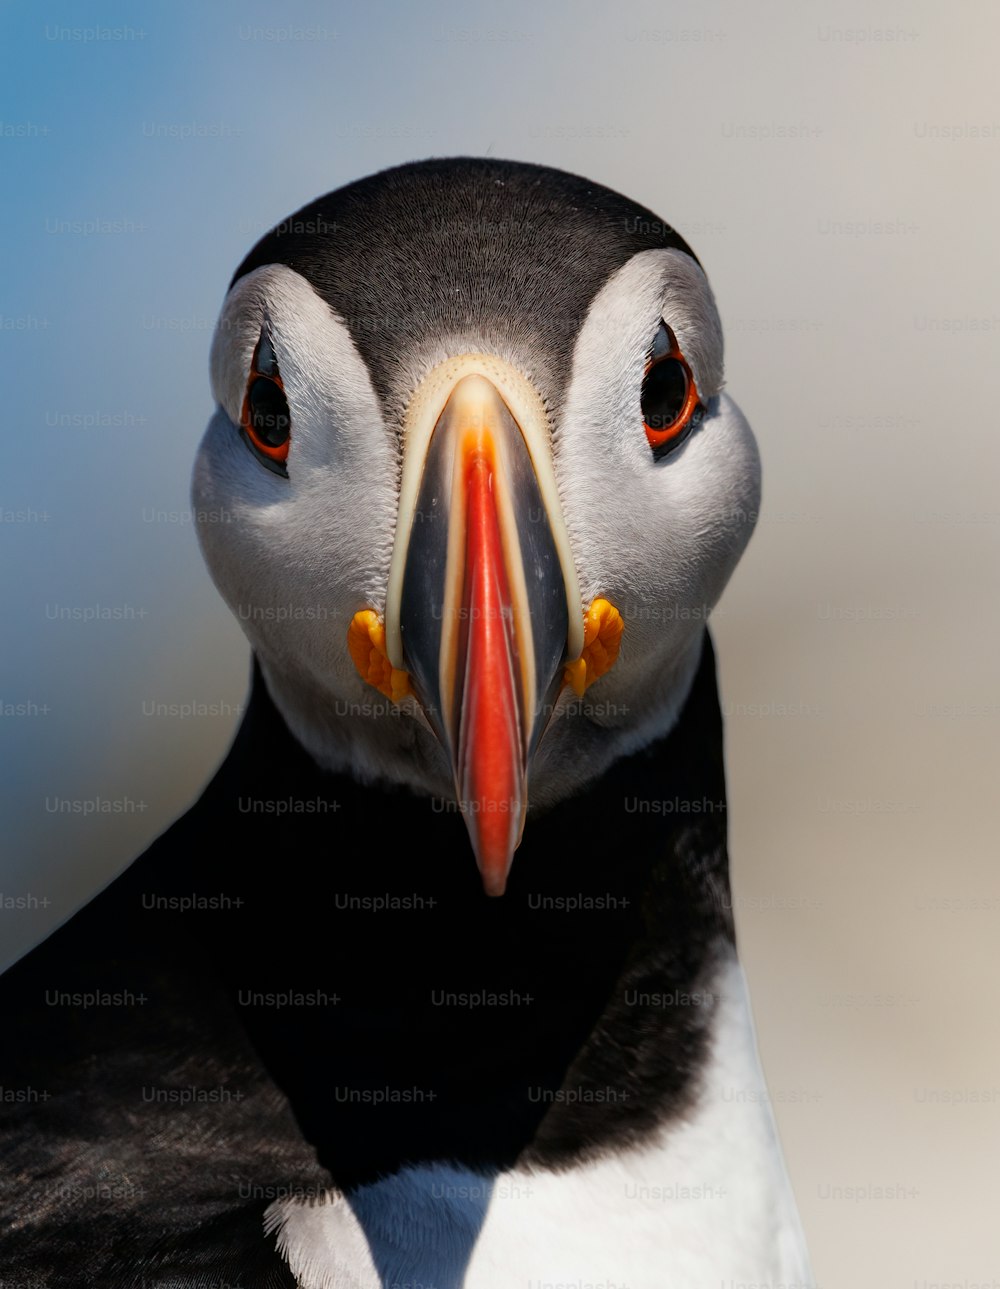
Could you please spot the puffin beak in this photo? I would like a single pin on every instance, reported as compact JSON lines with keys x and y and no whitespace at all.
{"x":483,"y":616}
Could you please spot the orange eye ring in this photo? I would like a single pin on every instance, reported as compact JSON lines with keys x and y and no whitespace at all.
{"x":264,"y":417}
{"x":662,"y":437}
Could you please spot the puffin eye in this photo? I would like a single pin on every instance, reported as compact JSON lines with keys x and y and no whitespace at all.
{"x":670,"y":406}
{"x":269,"y":419}
{"x":266,"y":421}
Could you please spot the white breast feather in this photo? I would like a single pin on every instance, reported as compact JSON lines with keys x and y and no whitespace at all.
{"x":706,"y":1203}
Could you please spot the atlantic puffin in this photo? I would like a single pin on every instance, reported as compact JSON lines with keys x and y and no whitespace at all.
{"x":436,"y":984}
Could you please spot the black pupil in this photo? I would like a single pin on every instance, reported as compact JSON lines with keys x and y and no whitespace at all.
{"x":269,"y":418}
{"x":664,"y":391}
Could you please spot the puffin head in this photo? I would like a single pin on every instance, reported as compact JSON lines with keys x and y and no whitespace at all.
{"x":482,"y":481}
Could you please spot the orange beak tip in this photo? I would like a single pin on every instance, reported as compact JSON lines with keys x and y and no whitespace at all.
{"x":494,"y":845}
{"x":494,"y":884}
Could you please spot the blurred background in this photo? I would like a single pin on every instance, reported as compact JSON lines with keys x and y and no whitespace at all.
{"x":835,"y":166}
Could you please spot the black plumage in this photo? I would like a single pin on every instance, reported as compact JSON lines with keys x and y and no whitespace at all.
{"x":510,"y":252}
{"x":168,"y":1114}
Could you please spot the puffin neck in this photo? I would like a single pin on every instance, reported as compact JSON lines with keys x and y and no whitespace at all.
{"x":432,"y":989}
{"x":268,"y":759}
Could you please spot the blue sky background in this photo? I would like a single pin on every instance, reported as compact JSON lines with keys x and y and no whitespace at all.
{"x":835,"y":166}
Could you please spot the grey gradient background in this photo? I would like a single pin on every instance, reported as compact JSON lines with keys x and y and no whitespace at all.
{"x":836,"y":168}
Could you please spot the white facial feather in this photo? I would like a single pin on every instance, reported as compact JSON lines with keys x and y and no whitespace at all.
{"x":659,"y":539}
{"x":299,"y":556}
